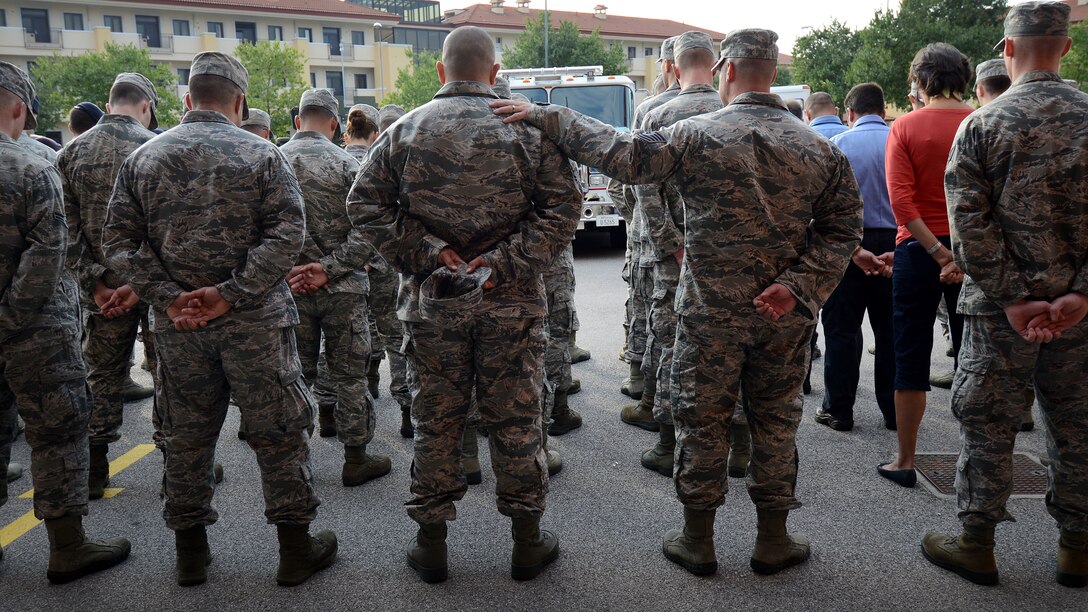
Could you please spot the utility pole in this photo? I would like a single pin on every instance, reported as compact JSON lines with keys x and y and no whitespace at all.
{"x":547,"y":26}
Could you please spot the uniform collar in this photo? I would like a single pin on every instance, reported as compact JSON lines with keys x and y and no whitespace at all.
{"x":115,"y":118}
{"x":1038,"y":75}
{"x":674,"y":87}
{"x":870,"y":120}
{"x":822,"y":119}
{"x":206,"y":116}
{"x":7,"y":139}
{"x":308,"y":135}
{"x":760,"y":98}
{"x":357,"y":147}
{"x":466,"y":88}
{"x":698,"y":88}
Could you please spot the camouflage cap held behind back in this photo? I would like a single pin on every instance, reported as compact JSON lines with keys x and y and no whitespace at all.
{"x":388,"y":115}
{"x":691,"y":40}
{"x":668,"y":50}
{"x":1036,"y":19}
{"x":450,"y":298}
{"x":18,"y":83}
{"x":750,"y":44}
{"x":989,"y":69}
{"x":501,"y":88}
{"x":222,"y":65}
{"x":145,"y":87}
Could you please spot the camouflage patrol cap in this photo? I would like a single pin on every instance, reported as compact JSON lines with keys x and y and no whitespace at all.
{"x":749,"y":43}
{"x":1036,"y":19}
{"x":668,"y":50}
{"x":224,"y":66}
{"x":989,"y":69}
{"x":367,"y":111}
{"x":17,"y":82}
{"x":259,"y":118}
{"x":323,"y":99}
{"x":144,"y":86}
{"x":689,"y":41}
{"x":388,"y":115}
{"x":501,"y":88}
{"x":448,"y":297}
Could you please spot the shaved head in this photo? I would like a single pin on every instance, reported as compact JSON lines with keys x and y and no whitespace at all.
{"x":757,"y":70}
{"x":696,"y":58}
{"x":1040,"y":46}
{"x":468,"y":55}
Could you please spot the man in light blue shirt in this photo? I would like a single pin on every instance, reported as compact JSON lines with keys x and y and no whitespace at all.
{"x":822,"y":115}
{"x":866,"y":284}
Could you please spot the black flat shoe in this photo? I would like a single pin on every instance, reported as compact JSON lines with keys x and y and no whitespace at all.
{"x":903,"y":478}
{"x":825,"y":419}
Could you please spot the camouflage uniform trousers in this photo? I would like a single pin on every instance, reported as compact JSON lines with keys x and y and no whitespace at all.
{"x":657,"y":361}
{"x":387,"y":331}
{"x":993,"y":394}
{"x":638,"y":311}
{"x":502,"y":360}
{"x":198,"y":373}
{"x":716,"y":357}
{"x":43,"y":379}
{"x":342,"y":319}
{"x":560,"y":324}
{"x":107,"y":347}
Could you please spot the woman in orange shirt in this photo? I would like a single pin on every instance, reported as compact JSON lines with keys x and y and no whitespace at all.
{"x":923,"y":269}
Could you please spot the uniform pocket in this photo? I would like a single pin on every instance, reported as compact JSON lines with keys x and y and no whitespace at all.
{"x":971,"y":396}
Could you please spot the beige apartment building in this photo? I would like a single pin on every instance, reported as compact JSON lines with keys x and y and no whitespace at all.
{"x":338,"y":40}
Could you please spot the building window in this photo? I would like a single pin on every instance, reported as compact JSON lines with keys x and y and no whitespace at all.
{"x":36,"y":21}
{"x":275,"y":32}
{"x":331,"y":37}
{"x":181,"y":27}
{"x":632,"y":53}
{"x":335,"y":82}
{"x":183,"y":76}
{"x":246,"y":30}
{"x":361,"y":81}
{"x":306,"y":34}
{"x":216,"y":27}
{"x":147,"y":27}
{"x":313,"y":79}
{"x":73,"y":21}
{"x":3,"y":19}
{"x":113,"y":22}
{"x":358,"y":38}
{"x":649,"y":51}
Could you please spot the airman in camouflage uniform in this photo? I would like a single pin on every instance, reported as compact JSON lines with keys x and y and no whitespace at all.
{"x":750,"y":284}
{"x":640,"y":266}
{"x":1019,"y":212}
{"x":511,"y":206}
{"x":88,"y":168}
{"x":334,"y":307}
{"x":42,"y":374}
{"x":388,"y":115}
{"x":205,"y":222}
{"x":259,"y":123}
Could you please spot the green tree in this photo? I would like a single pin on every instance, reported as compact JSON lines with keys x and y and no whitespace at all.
{"x":785,"y":76}
{"x":277,"y":78}
{"x":1075,"y":64}
{"x":822,"y":57}
{"x":416,"y":83}
{"x":64,"y":81}
{"x":566,"y":47}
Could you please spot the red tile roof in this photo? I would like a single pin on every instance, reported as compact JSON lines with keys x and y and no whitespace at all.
{"x":1080,"y":10}
{"x":615,"y":25}
{"x":321,"y":8}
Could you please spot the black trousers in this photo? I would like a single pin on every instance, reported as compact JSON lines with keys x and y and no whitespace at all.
{"x":843,"y":315}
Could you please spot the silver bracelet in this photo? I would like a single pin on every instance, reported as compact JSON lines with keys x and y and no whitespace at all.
{"x":933,"y":249}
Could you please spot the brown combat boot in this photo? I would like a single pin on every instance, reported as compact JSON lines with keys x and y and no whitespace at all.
{"x":660,"y":457}
{"x":740,"y":448}
{"x":634,"y":385}
{"x":555,"y":462}
{"x":360,"y":467}
{"x":971,"y":554}
{"x":641,"y":415}
{"x":692,"y":547}
{"x":326,"y":421}
{"x":564,"y":419}
{"x":98,"y":476}
{"x":776,"y":549}
{"x":193,"y":555}
{"x":534,"y":548}
{"x":73,"y":556}
{"x":577,"y":353}
{"x":301,"y":555}
{"x":1073,"y":559}
{"x":470,"y":459}
{"x":427,"y":553}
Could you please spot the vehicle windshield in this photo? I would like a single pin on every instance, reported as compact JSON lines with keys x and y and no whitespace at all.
{"x":606,"y":103}
{"x":536,"y":95}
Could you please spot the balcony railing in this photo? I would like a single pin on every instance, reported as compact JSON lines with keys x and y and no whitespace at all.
{"x":54,"y":42}
{"x":166,"y":44}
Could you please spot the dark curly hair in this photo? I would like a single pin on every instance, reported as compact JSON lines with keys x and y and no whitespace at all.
{"x":941,"y":70}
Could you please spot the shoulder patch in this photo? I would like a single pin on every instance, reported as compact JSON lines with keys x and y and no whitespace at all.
{"x":651,"y":137}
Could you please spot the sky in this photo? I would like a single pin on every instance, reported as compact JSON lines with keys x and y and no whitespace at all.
{"x":790,"y":18}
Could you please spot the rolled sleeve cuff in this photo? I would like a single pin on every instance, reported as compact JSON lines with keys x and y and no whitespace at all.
{"x":809,"y":307}
{"x":230,"y":293}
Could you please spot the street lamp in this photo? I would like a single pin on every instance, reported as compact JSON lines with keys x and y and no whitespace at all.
{"x":343,"y":75}
{"x":547,"y":26}
{"x":380,"y":71}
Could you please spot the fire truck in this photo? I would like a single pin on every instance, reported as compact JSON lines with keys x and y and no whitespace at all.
{"x":609,"y":99}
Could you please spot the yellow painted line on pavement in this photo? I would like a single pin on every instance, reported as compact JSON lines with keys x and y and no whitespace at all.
{"x":17,"y":528}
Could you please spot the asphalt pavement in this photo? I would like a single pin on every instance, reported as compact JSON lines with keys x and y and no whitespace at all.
{"x":608,"y":511}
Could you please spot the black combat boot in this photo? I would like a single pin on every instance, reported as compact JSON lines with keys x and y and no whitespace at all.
{"x":427,"y":553}
{"x":193,"y":555}
{"x":692,"y":547}
{"x":360,"y":467}
{"x":534,"y":548}
{"x":373,"y":378}
{"x":407,"y":430}
{"x":1073,"y":559}
{"x":326,"y":421}
{"x":740,"y":448}
{"x":470,"y":460}
{"x":98,"y":476}
{"x":563,"y":418}
{"x":73,"y":556}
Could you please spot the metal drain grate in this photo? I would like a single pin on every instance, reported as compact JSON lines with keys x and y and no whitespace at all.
{"x":939,"y":470}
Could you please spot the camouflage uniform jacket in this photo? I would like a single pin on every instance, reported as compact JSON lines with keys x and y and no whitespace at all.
{"x":38,"y":148}
{"x":208,"y":204}
{"x":752,"y":178}
{"x":452,"y":174}
{"x":1018,"y":197}
{"x":642,"y":250}
{"x":325,"y":173}
{"x":357,"y":151}
{"x":662,"y":207}
{"x":35,"y":289}
{"x":88,"y":170}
